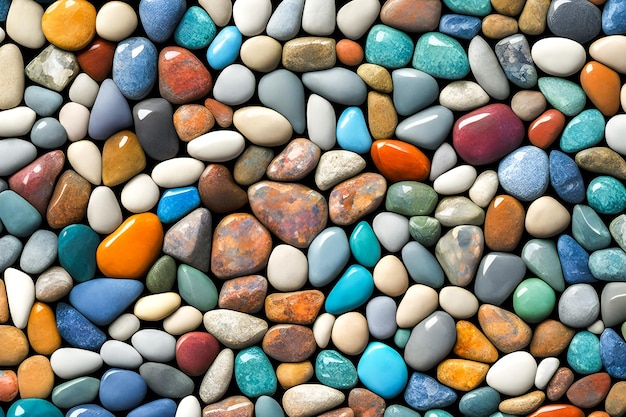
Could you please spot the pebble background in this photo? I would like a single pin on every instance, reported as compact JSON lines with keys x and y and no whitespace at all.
{"x":310,"y":207}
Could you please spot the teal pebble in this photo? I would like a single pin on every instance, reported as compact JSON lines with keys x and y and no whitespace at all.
{"x":382,"y":370}
{"x":585,"y":130}
{"x":77,"y":247}
{"x":33,"y":407}
{"x":441,"y":56}
{"x":397,"y":410}
{"x":352,"y":132}
{"x":335,"y":370}
{"x":606,"y":195}
{"x":480,"y":402}
{"x":19,"y":217}
{"x":564,"y":95}
{"x":351,"y":291}
{"x":588,"y":228}
{"x":196,"y":29}
{"x":470,"y":7}
{"x":436,"y":412}
{"x":583,"y":354}
{"x":364,"y":245}
{"x":388,"y":47}
{"x":48,"y":133}
{"x":401,"y":338}
{"x":542,"y":258}
{"x":267,"y":407}
{"x":77,"y":391}
{"x":196,"y":288}
{"x":254,"y":373}
{"x":608,"y":264}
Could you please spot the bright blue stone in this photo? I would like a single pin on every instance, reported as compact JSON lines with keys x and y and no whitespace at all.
{"x":77,"y":330}
{"x":254,"y":373}
{"x":583,"y":354}
{"x":574,"y":261}
{"x":196,"y":29}
{"x":135,"y":67}
{"x":388,"y":47}
{"x":585,"y":130}
{"x":328,"y":254}
{"x":614,"y":17}
{"x":43,"y":101}
{"x":460,"y":26}
{"x":513,"y":173}
{"x":352,"y":132}
{"x":224,"y":49}
{"x":424,"y":393}
{"x":422,"y":265}
{"x":17,"y":215}
{"x":471,"y":7}
{"x":608,"y":264}
{"x":441,"y":56}
{"x":267,"y":407}
{"x":613,"y":353}
{"x":351,"y":291}
{"x":102,"y":300}
{"x":364,"y":245}
{"x":588,"y":228}
{"x":382,"y":370}
{"x":121,"y":389}
{"x":479,"y":402}
{"x":77,"y":247}
{"x":606,"y":195}
{"x":33,"y":407}
{"x":176,"y":203}
{"x":163,"y":407}
{"x":88,"y":410}
{"x":565,"y":178}
{"x":48,"y":133}
{"x":159,"y":18}
{"x":335,"y":370}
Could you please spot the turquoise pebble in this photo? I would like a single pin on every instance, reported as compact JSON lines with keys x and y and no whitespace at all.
{"x":77,"y":330}
{"x":48,"y":133}
{"x":606,"y":195}
{"x":352,"y":132}
{"x":351,"y":291}
{"x":33,"y":407}
{"x":17,"y":215}
{"x":480,"y":402}
{"x":163,"y":407}
{"x":441,"y":56}
{"x":254,"y":373}
{"x":583,"y":354}
{"x":435,"y":412}
{"x":617,"y":227}
{"x":328,"y":254}
{"x":43,"y":101}
{"x":585,"y":130}
{"x":608,"y":264}
{"x":382,"y":370}
{"x":224,"y":49}
{"x":196,"y":288}
{"x":401,"y":338}
{"x":470,"y":7}
{"x":267,"y":407}
{"x":335,"y":370}
{"x":460,"y":26}
{"x":588,"y":228}
{"x":542,"y":259}
{"x":364,"y":245}
{"x":88,"y":410}
{"x":564,"y":95}
{"x":176,"y":203}
{"x":121,"y":389}
{"x":102,"y":300}
{"x":196,"y":29}
{"x":397,"y":410}
{"x":77,"y":247}
{"x":388,"y":47}
{"x":82,"y":390}
{"x":135,"y":67}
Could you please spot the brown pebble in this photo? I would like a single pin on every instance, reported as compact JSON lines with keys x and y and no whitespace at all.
{"x":340,"y":412}
{"x":508,"y":7}
{"x":602,"y":160}
{"x":532,"y":21}
{"x":411,"y":15}
{"x":364,"y":403}
{"x":251,"y":165}
{"x":615,"y":403}
{"x":289,"y":343}
{"x":472,"y":344}
{"x":528,"y":105}
{"x":299,"y":307}
{"x":35,"y":377}
{"x":70,"y":197}
{"x":292,"y":374}
{"x":243,"y":294}
{"x":503,"y":328}
{"x":4,"y":304}
{"x":218,"y":190}
{"x":497,"y":26}
{"x":504,"y":223}
{"x":382,"y":118}
{"x":222,"y":113}
{"x":376,"y":77}
{"x":524,"y":404}
{"x":8,"y":385}
{"x":559,"y":383}
{"x":235,"y":406}
{"x":14,"y":345}
{"x":309,"y":53}
{"x":551,"y":337}
{"x":590,"y":390}
{"x":122,"y":158}
{"x":296,"y":161}
{"x":355,"y":198}
{"x":192,"y":120}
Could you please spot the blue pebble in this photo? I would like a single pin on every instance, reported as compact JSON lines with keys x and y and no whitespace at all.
{"x":77,"y":247}
{"x":388,"y":47}
{"x":102,"y":300}
{"x":583,"y":353}
{"x":48,"y":133}
{"x":159,"y":18}
{"x":606,"y":195}
{"x":4,"y":9}
{"x":460,"y":26}
{"x":351,"y":291}
{"x":43,"y":101}
{"x":352,"y":132}
{"x":163,"y":407}
{"x":335,"y":370}
{"x":514,"y":169}
{"x":574,"y":261}
{"x":480,"y":402}
{"x":614,"y":17}
{"x":286,"y":20}
{"x":441,"y":56}
{"x":380,"y":313}
{"x":328,"y":254}
{"x":585,"y":130}
{"x":110,"y":112}
{"x":33,"y":407}
{"x":565,"y":178}
{"x":254,"y":373}
{"x":176,"y":203}
{"x":266,"y":406}
{"x":382,"y":370}
{"x":224,"y":49}
{"x":135,"y":67}
{"x":613,"y":353}
{"x":121,"y":389}
{"x":17,"y":215}
{"x":424,"y":393}
{"x":77,"y":330}
{"x":608,"y":264}
{"x":422,"y":265}
{"x":364,"y":245}
{"x":88,"y":410}
{"x":196,"y":29}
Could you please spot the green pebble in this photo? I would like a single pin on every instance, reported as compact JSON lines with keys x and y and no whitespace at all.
{"x":564,"y":95}
{"x":411,"y":198}
{"x":542,"y":258}
{"x":196,"y":288}
{"x":397,"y":410}
{"x":617,"y":227}
{"x":77,"y":391}
{"x":435,"y":412}
{"x":533,"y":300}
{"x":335,"y":370}
{"x":623,"y":329}
{"x":588,"y":228}
{"x":162,"y":275}
{"x":425,"y":230}
{"x":583,"y":353}
{"x":606,"y":195}
{"x":401,"y":338}
{"x":608,"y":264}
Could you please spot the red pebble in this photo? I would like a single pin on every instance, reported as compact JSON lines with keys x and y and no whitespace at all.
{"x":96,"y":60}
{"x":546,"y":128}
{"x":195,"y":352}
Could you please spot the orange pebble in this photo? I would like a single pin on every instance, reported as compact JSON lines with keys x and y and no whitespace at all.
{"x":546,"y":128}
{"x":8,"y":385}
{"x":400,"y":161}
{"x":349,"y":52}
{"x":599,"y":414}
{"x":41,"y":331}
{"x":132,"y":248}
{"x":558,"y":410}
{"x":602,"y":86}
{"x":69,"y":24}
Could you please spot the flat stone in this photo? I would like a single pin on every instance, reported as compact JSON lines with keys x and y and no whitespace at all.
{"x":263,"y":126}
{"x":165,"y":380}
{"x":236,"y":405}
{"x":53,"y":68}
{"x":283,"y":91}
{"x":422,"y":16}
{"x":299,"y":307}
{"x":310,"y":399}
{"x":338,"y":85}
{"x":308,"y":54}
{"x":39,"y":252}
{"x":574,"y":261}
{"x":77,"y":330}
{"x":350,"y":333}
{"x":563,"y":95}
{"x":289,"y":343}
{"x":217,"y":378}
{"x":12,"y":78}
{"x":234,"y":329}
{"x":251,"y":164}
{"x":286,"y":20}
{"x":463,"y":95}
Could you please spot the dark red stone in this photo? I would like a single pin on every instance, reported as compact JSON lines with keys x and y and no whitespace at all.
{"x":96,"y":60}
{"x":195,"y":352}
{"x":182,"y":76}
{"x":589,"y":391}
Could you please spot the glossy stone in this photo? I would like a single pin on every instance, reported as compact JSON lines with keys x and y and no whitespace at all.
{"x":441,"y":56}
{"x":254,"y":373}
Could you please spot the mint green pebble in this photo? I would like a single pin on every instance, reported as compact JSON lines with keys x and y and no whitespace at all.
{"x":606,"y":195}
{"x":196,"y":29}
{"x":584,"y":131}
{"x":441,"y":56}
{"x":254,"y":373}
{"x":411,"y":198}
{"x":542,"y":258}
{"x":401,"y":338}
{"x":564,"y":95}
{"x":335,"y":370}
{"x":196,"y":288}
{"x":588,"y":228}
{"x":425,"y":230}
{"x":533,"y":300}
{"x":364,"y":245}
{"x":583,"y":353}
{"x":469,"y":7}
{"x":33,"y":407}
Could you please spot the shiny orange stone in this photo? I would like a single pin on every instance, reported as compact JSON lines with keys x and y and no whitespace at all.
{"x":69,"y":24}
{"x":400,"y":161}
{"x":546,"y":128}
{"x":68,"y":204}
{"x":8,"y":385}
{"x":504,"y":223}
{"x":132,"y":248}
{"x":292,"y":374}
{"x":349,"y":52}
{"x":507,"y":331}
{"x":602,"y":86}
{"x":461,"y":374}
{"x":122,"y":158}
{"x":472,"y":344}
{"x":41,"y":331}
{"x":183,"y":78}
{"x":558,"y":410}
{"x":97,"y":59}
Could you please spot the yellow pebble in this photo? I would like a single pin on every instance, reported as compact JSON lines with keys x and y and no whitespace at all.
{"x":69,"y":24}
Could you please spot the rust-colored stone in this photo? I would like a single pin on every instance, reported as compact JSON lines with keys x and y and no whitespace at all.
{"x":615,"y":403}
{"x":340,"y":412}
{"x":8,"y":386}
{"x":551,"y":337}
{"x":590,"y":390}
{"x":192,"y":120}
{"x":96,"y":60}
{"x":299,"y":307}
{"x":504,"y":223}
{"x":235,"y":406}
{"x":546,"y":128}
{"x":349,"y":52}
{"x":122,"y":158}
{"x":218,"y":190}
{"x":183,"y":78}
{"x":558,"y":410}
{"x":559,"y":383}
{"x":411,"y":15}
{"x":4,"y":304}
{"x":244,"y":294}
{"x":70,"y":197}
{"x":400,"y":161}
{"x":472,"y":344}
{"x":461,"y":374}
{"x":355,"y":198}
{"x":289,"y":343}
{"x":365,"y":403}
{"x":222,"y":113}
{"x":504,"y":329}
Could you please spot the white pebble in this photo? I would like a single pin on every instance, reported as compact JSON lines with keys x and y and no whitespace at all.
{"x":124,"y":327}
{"x":390,"y":276}
{"x":84,"y":90}
{"x":20,"y":290}
{"x":418,"y":302}
{"x":118,"y":354}
{"x":513,"y":374}
{"x":189,"y":407}
{"x":287,"y":268}
{"x":322,"y":329}
{"x":609,"y":50}
{"x":74,"y":117}
{"x":318,"y":17}
{"x":458,"y":302}
{"x":546,"y":217}
{"x":140,"y":194}
{"x":16,"y":121}
{"x":484,"y":188}
{"x":23,"y":23}
{"x":85,"y":158}
{"x":177,"y":172}
{"x":321,"y":121}
{"x":251,"y":16}
{"x":356,"y":17}
{"x":560,"y":57}
{"x":262,"y":125}
{"x":615,"y":131}
{"x":350,"y":333}
{"x":217,"y":146}
{"x":70,"y":363}
{"x":456,"y":181}
{"x":597,"y":327}
{"x":103,"y":211}
{"x":392,"y":230}
{"x":545,"y":370}
{"x":2,"y":35}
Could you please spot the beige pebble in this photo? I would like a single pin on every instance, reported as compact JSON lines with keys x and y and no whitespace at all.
{"x":532,"y":21}
{"x":261,"y":53}
{"x":322,"y":329}
{"x":183,"y":320}
{"x":458,"y":302}
{"x":309,"y":400}
{"x":85,"y":158}
{"x":104,"y":214}
{"x":508,"y":7}
{"x":497,"y":26}
{"x":287,"y":268}
{"x":156,"y":307}
{"x":177,"y":172}
{"x":124,"y":327}
{"x":23,"y":23}
{"x":356,"y":17}
{"x":376,"y":77}
{"x":14,"y":346}
{"x":524,"y":404}
{"x":74,"y":118}
{"x":546,"y":217}
{"x":217,"y":378}
{"x":622,"y":97}
{"x":220,"y":11}
{"x":528,"y":105}
{"x":609,"y":51}
{"x":262,"y":126}
{"x":309,"y":53}
{"x":140,"y":194}
{"x":11,"y":76}
{"x":116,"y":21}
{"x":16,"y":121}
{"x":418,"y":302}
{"x":350,"y":333}
{"x":2,"y":35}
{"x":84,"y":90}
{"x":337,"y":166}
{"x":463,"y":96}
{"x":251,"y":16}
{"x":35,"y":377}
{"x":292,"y":374}
{"x":390,"y":276}
{"x":53,"y":284}
{"x":382,"y":118}
{"x":484,"y":188}
{"x":234,"y":329}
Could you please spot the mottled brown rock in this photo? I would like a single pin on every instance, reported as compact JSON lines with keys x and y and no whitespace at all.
{"x":292,"y":374}
{"x":590,"y":390}
{"x":382,"y":118}
{"x":122,"y":158}
{"x":296,"y":161}
{"x":222,"y":113}
{"x":411,"y":15}
{"x":504,"y":223}
{"x":524,"y":404}
{"x":252,"y":164}
{"x":14,"y":346}
{"x":528,"y":105}
{"x":244,"y":294}
{"x":602,"y":160}
{"x":503,"y":328}
{"x":551,"y":337}
{"x":461,"y":374}
{"x":559,"y":383}
{"x":309,"y":53}
{"x":299,"y":307}
{"x":192,"y":120}
{"x":340,"y":412}
{"x":35,"y":377}
{"x":365,"y":403}
{"x":615,"y":403}
{"x":241,"y":246}
{"x":235,"y":406}
{"x":289,"y":343}
{"x":376,"y":77}
{"x":472,"y":344}
{"x":497,"y":26}
{"x":4,"y":304}
{"x":532,"y":21}
{"x":355,"y":198}
{"x":69,"y":200}
{"x":218,"y":190}
{"x":508,"y":7}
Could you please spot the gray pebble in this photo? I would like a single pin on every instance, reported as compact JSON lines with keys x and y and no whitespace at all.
{"x":118,"y":354}
{"x":10,"y":249}
{"x":613,"y":304}
{"x":286,"y":20}
{"x":430,"y":341}
{"x":154,"y":345}
{"x":42,"y":100}
{"x":427,"y":129}
{"x":380,"y":313}
{"x":579,"y":306}
{"x":497,"y":277}
{"x":39,"y":252}
{"x":235,"y":85}
{"x":339,"y":85}
{"x":53,"y":284}
{"x":487,"y":70}
{"x":283,"y":91}
{"x":48,"y":133}
{"x":166,"y":381}
{"x":15,"y":154}
{"x":413,"y":90}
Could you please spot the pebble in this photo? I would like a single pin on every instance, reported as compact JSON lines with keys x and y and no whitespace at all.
{"x":574,"y":261}
{"x":356,"y":17}
{"x":418,"y":302}
{"x":327,"y":256}
{"x":589,"y":391}
{"x":350,"y":333}
{"x":69,"y":362}
{"x":292,"y":374}
{"x":23,"y":24}
{"x":614,"y":403}
{"x":439,"y":327}
{"x":116,"y":21}
{"x":285,"y":21}
{"x":528,"y":105}
{"x":560,"y":382}
{"x":563,"y":95}
{"x":463,"y":96}
{"x":366,"y":190}
{"x":217,"y":378}
{"x":15,"y":339}
{"x":425,"y":393}
{"x":195,"y":30}
{"x":437,"y":120}
{"x":299,"y":307}
{"x":234,"y":329}
{"x":121,"y":389}
{"x":72,"y":393}
{"x":391,"y":229}
{"x":335,"y":370}
{"x":110,"y":112}
{"x":583,"y":353}
{"x":486,"y":68}
{"x":310,"y":399}
{"x":513,"y":374}
{"x":156,"y":306}
{"x":558,"y":56}
{"x":602,"y":50}
{"x":489,"y":285}
{"x":350,"y":53}
{"x":441,"y":56}
{"x":408,"y":82}
{"x":512,"y":173}
{"x":507,"y":331}
{"x":84,"y":90}
{"x":458,"y":302}
{"x":546,"y":369}
{"x":479,"y":401}
{"x":577,"y":20}
{"x":461,"y":374}
{"x":460,"y":25}
{"x":12,"y":78}
{"x":287,"y":268}
{"x":388,"y":47}
{"x":514,"y":54}
{"x":183,"y":320}
{"x":421,"y":265}
{"x":118,"y":354}
{"x":459,"y":252}
{"x":533,"y":300}
{"x":542,"y":226}
{"x":135,"y":67}
{"x":403,"y":155}
{"x":165,"y":380}
{"x":609,"y":303}
{"x":551,"y":338}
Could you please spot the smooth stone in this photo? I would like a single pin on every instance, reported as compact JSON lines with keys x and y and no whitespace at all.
{"x":135,"y":67}
{"x":235,"y":85}
{"x":606,"y":195}
{"x":335,"y":370}
{"x":355,"y":17}
{"x":189,"y":406}
{"x":459,"y":252}
{"x":356,"y":281}
{"x":288,"y":267}
{"x":455,"y":211}
{"x":183,"y":320}
{"x":437,"y":328}
{"x":350,"y":333}
{"x":437,"y":120}
{"x":404,"y":16}
{"x":52,"y":285}
{"x":611,"y":300}
{"x":82,"y":390}
{"x":583,"y":131}
{"x":165,"y":380}
{"x":577,"y":20}
{"x":417,"y":304}
{"x":546,"y":369}
{"x":121,"y":389}
{"x":195,"y":352}
{"x":380,"y":313}
{"x":251,"y":165}
{"x":498,"y":26}
{"x":321,"y":121}
{"x":352,"y":132}
{"x":177,"y":172}
{"x":601,"y":84}
{"x":606,"y":264}
{"x":102,"y":300}
{"x":122,"y":158}
{"x":297,"y":54}
{"x":116,"y":21}
{"x":267,"y":407}
{"x":460,"y":25}
{"x":473,"y":8}
{"x":23,"y":23}
{"x":16,"y":154}
{"x":541,"y":257}
{"x":424,"y":393}
{"x":262,"y":126}
{"x":425,"y":230}
{"x":388,"y":47}
{"x":69,"y":200}
{"x":411,"y":198}
{"x":192,"y":121}
{"x":458,"y":302}
{"x":196,"y":288}
{"x":77,"y":245}
{"x":17,"y":121}
{"x":565,"y":178}
{"x":490,"y":286}
{"x":283,"y":91}
{"x":110,"y":112}
{"x":296,"y":161}
{"x":224,"y":48}
{"x":512,"y":173}
{"x":441,"y":56}
{"x":414,"y":90}
{"x":612,"y":347}
{"x":322,"y":329}
{"x":96,"y":60}
{"x":579,"y":306}
{"x":36,"y":407}
{"x":176,"y":203}
{"x":118,"y":354}
{"x":156,"y":307}
{"x":45,"y":102}
{"x":601,"y":160}
{"x":53,"y":68}
{"x":504,"y":223}
{"x":546,"y":128}
{"x":392,"y":230}
{"x":159,"y":19}
{"x":583,"y":353}
{"x":329,"y":253}
{"x":558,"y":56}
{"x":603,"y":50}
{"x":39,"y":252}
{"x":513,"y":374}
{"x":533,"y":300}
{"x":77,"y":330}
{"x":217,"y":378}
{"x":218,"y":190}
{"x":394,"y":157}
{"x":85,"y":158}
{"x":74,"y":118}
{"x":482,"y":401}
{"x":382,"y":117}
{"x":614,"y":403}
{"x":514,"y":55}
{"x":614,"y":128}
{"x":563,"y":95}
{"x":285,"y":22}
{"x":559,"y":384}
{"x":10,"y":250}
{"x":375,"y":76}
{"x":463,"y":96}
{"x":540,"y":224}
{"x":574,"y":261}
{"x":14,"y":338}
{"x":364,"y":245}
{"x":486,"y":69}
{"x":103,"y":211}
{"x":617,"y":228}
{"x":307,"y":400}
{"x":69,"y":362}
{"x":234,"y":329}
{"x":319,"y":17}
{"x":528,"y":105}
{"x":507,"y":331}
{"x":195,"y":30}
{"x":261,"y":53}
{"x":18,"y":216}
{"x":338,"y":85}
{"x":151,"y":116}
{"x":297,"y":307}
{"x":254,"y":373}
{"x":163,"y":407}
{"x":154,"y":345}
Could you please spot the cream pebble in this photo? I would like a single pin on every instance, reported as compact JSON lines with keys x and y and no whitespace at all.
{"x":546,"y":217}
{"x":70,"y":363}
{"x":560,"y":57}
{"x":356,"y":17}
{"x":16,"y":121}
{"x":418,"y":302}
{"x":140,"y":194}
{"x":85,"y":158}
{"x":84,"y":90}
{"x":261,"y":53}
{"x":11,"y":76}
{"x":287,"y":268}
{"x":322,"y":329}
{"x":609,"y":51}
{"x":458,"y":302}
{"x":597,"y":327}
{"x":118,"y":354}
{"x":104,"y":214}
{"x":318,"y":17}
{"x":217,"y":146}
{"x":484,"y":188}
{"x":463,"y":96}
{"x":614,"y":133}
{"x":23,"y":23}
{"x":183,"y":320}
{"x":124,"y":327}
{"x":177,"y":172}
{"x":20,"y":290}
{"x":456,"y":181}
{"x":545,"y":370}
{"x":220,"y":11}
{"x":390,"y":276}
{"x":321,"y":122}
{"x":263,"y":126}
{"x":350,"y":333}
{"x":513,"y":374}
{"x":116,"y":21}
{"x":189,"y":406}
{"x":622,"y":97}
{"x":74,"y":117}
{"x":217,"y":378}
{"x":156,"y":307}
{"x":2,"y":35}
{"x":308,"y":400}
{"x":251,"y":16}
